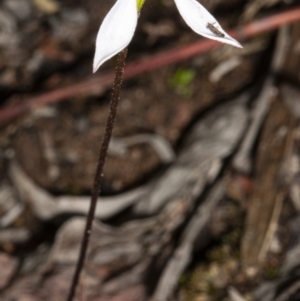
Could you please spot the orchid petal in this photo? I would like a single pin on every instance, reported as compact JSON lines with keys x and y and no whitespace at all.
{"x":116,"y":31}
{"x":199,"y":19}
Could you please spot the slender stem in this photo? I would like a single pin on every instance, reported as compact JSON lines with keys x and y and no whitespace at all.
{"x":101,"y":160}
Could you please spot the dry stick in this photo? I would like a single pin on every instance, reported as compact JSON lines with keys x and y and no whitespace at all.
{"x":148,"y":64}
{"x":101,"y":160}
{"x":242,"y":161}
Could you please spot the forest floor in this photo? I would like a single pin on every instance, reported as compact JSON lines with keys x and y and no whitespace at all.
{"x":200,"y":199}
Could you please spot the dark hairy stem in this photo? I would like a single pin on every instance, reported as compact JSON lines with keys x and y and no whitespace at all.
{"x":98,"y":176}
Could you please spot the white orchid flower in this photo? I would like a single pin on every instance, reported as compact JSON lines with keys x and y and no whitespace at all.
{"x":117,"y":28}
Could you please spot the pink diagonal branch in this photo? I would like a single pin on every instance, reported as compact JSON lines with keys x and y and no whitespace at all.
{"x":96,"y":84}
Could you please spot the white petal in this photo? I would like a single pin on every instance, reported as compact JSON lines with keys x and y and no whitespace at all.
{"x":116,"y":31}
{"x":198,"y":18}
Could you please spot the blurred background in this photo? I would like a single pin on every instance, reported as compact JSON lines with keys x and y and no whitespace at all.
{"x":200,"y":199}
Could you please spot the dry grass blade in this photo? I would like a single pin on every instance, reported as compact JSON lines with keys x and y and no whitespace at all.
{"x":267,"y":196}
{"x":242,"y":160}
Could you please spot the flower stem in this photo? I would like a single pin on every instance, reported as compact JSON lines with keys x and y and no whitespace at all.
{"x":99,"y":171}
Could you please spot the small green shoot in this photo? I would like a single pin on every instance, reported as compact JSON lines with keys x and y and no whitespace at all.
{"x":181,"y":81}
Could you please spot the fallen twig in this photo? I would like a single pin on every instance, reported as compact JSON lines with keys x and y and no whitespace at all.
{"x":45,"y":206}
{"x":265,"y":201}
{"x":235,"y":295}
{"x":182,"y":255}
{"x":8,"y":218}
{"x":147,"y":64}
{"x":208,"y":143}
{"x":242,"y":160}
{"x":14,"y":235}
{"x":162,"y":147}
